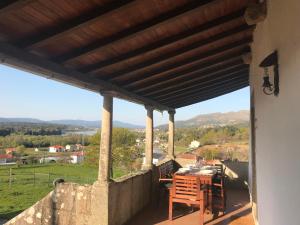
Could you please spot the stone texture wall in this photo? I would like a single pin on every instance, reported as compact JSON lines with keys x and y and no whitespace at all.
{"x":98,"y":204}
{"x":68,"y":204}
{"x":129,"y":196}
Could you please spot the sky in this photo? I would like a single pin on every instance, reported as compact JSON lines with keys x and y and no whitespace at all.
{"x":25,"y":95}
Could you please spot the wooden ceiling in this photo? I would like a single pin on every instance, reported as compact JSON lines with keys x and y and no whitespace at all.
{"x":165,"y":53}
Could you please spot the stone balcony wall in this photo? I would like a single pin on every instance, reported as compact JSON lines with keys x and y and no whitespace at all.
{"x":99,"y":204}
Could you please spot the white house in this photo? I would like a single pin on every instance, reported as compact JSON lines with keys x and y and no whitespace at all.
{"x":56,"y":148}
{"x":4,"y":158}
{"x":158,"y":155}
{"x":194,"y":144}
{"x":69,"y":148}
{"x":77,"y":157}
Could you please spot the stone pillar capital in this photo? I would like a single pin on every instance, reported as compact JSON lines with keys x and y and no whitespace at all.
{"x":172,"y":112}
{"x":149,"y":107}
{"x":107,"y":93}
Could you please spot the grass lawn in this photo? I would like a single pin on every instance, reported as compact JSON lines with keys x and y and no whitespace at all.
{"x":30,"y":183}
{"x":180,"y":149}
{"x":27,"y":188}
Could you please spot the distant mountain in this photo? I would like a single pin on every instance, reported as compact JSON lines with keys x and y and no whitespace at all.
{"x":20,"y":120}
{"x":79,"y":123}
{"x":215,"y":120}
{"x":95,"y":123}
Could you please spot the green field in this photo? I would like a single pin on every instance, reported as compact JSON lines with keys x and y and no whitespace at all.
{"x":180,"y":149}
{"x":31,"y":183}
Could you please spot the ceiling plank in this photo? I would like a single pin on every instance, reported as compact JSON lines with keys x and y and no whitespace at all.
{"x":16,"y":57}
{"x":204,"y":82}
{"x":197,"y":99}
{"x":193,"y":75}
{"x":152,"y":76}
{"x":226,"y":70}
{"x":130,"y":32}
{"x":11,"y":5}
{"x":72,"y":25}
{"x":126,"y":74}
{"x":208,"y":86}
{"x":212,"y":92}
{"x":164,"y":42}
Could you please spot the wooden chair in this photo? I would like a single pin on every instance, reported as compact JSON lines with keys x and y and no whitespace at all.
{"x":219,"y":190}
{"x":186,"y":190}
{"x":206,"y":183}
{"x":166,"y":172}
{"x":218,"y":187}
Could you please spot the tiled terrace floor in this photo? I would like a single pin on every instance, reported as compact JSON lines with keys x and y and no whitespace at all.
{"x":238,"y":213}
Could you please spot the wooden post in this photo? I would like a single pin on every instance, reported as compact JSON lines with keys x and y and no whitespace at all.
{"x":49,"y":179}
{"x":149,"y":139}
{"x":106,"y":133}
{"x":10,"y":177}
{"x":34,"y":176}
{"x":171,"y":154}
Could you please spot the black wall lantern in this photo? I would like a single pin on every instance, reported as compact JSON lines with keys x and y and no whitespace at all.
{"x":268,"y":87}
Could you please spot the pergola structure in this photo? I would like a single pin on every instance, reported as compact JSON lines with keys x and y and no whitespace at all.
{"x":162,"y":54}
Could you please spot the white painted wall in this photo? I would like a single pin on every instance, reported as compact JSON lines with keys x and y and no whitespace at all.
{"x":278,"y":118}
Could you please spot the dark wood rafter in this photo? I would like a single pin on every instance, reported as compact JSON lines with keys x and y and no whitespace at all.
{"x":201,"y":78}
{"x":130,"y":32}
{"x":212,"y":92}
{"x":193,"y":75}
{"x":148,"y":52}
{"x":209,"y":85}
{"x":67,"y":27}
{"x":204,"y":82}
{"x":234,"y":49}
{"x":193,"y":100}
{"x":12,"y":5}
{"x":16,"y":57}
{"x":126,"y":73}
{"x":164,"y":42}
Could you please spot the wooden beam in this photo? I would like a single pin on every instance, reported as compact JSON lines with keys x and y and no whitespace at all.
{"x":71,"y":25}
{"x":151,"y":77}
{"x":12,"y":5}
{"x":164,"y":42}
{"x":18,"y":58}
{"x":130,"y":32}
{"x":193,"y":76}
{"x":213,"y":91}
{"x":207,"y":87}
{"x":126,"y":74}
{"x":198,"y":99}
{"x":203,"y":83}
{"x":200,"y":78}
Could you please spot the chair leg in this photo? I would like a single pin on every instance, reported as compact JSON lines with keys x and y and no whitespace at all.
{"x":201,"y":213}
{"x":170,"y":209}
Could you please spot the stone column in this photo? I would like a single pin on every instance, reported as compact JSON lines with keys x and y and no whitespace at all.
{"x":105,"y":161}
{"x":171,"y":154}
{"x":149,"y":139}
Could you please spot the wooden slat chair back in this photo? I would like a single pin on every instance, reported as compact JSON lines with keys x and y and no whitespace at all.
{"x":187,"y":190}
{"x":220,"y":169}
{"x":166,"y":172}
{"x":218,"y":186}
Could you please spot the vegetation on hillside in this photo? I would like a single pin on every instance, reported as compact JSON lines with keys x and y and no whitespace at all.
{"x":11,"y":128}
{"x":207,"y":136}
{"x":125,"y":154}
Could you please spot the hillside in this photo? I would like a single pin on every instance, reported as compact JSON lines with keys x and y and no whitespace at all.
{"x":76,"y":123}
{"x":214,"y":120}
